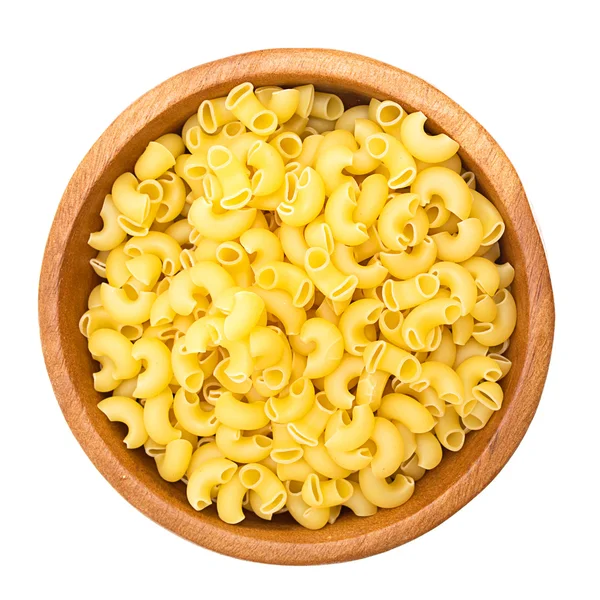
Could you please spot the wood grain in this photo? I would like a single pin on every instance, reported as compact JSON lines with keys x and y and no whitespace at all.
{"x":66,"y":281}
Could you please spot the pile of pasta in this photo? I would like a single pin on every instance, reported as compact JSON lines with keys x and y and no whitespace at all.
{"x":303,"y":306}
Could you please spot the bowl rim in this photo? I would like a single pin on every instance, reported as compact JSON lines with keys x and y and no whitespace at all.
{"x":380,"y":80}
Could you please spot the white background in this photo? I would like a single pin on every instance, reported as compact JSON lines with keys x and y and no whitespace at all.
{"x":528,"y":71}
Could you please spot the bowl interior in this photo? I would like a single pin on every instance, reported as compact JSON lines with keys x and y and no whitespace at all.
{"x":74,"y":279}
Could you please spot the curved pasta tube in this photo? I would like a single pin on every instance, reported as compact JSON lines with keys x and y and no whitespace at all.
{"x":156,"y":357}
{"x":446,"y":351}
{"x":327,"y":106}
{"x":247,"y":311}
{"x":156,"y":418}
{"x":242,"y":449}
{"x":458,"y":248}
{"x":453,"y":163}
{"x":307,"y":429}
{"x":427,"y":316}
{"x":211,"y":277}
{"x":246,"y":107}
{"x":293,"y":243}
{"x":183,"y":293}
{"x":490,"y":394}
{"x":485,"y":273}
{"x":478,"y":417}
{"x":289,"y":278}
{"x":264,"y":245}
{"x":502,"y":327}
{"x":353,"y":322}
{"x":325,"y":494}
{"x":348,"y":119}
{"x":309,"y":200}
{"x":400,"y":295}
{"x":118,"y":349}
{"x":269,"y":166}
{"x":451,"y":187}
{"x":358,"y":503}
{"x":190,"y":415}
{"x":371,"y":199}
{"x":504,"y":363}
{"x":216,"y":471}
{"x":329,"y":280}
{"x":124,"y":309}
{"x":233,"y":177}
{"x":310,"y":149}
{"x":485,"y":309}
{"x":213,"y":114}
{"x":293,"y":406}
{"x":319,"y":459}
{"x":172,"y":464}
{"x":390,"y":448}
{"x":406,"y":265}
{"x":462,"y":330}
{"x":265,"y":483}
{"x":230,"y":499}
{"x":297,"y":471}
{"x":506,"y":273}
{"x":370,"y":387}
{"x":406,"y":410}
{"x":330,"y":165}
{"x":129,"y":200}
{"x":448,"y":430}
{"x":117,"y":272}
{"x":382,"y":356}
{"x":339,"y":212}
{"x":390,"y":327}
{"x":146,"y":269}
{"x":362,"y":161}
{"x":154,"y":161}
{"x":186,"y":368}
{"x":337,"y":383}
{"x":266,"y":347}
{"x":429,"y":451}
{"x":240,"y":415}
{"x":279,"y":304}
{"x":443,"y":379}
{"x":369,"y":276}
{"x":392,"y":153}
{"x":222,"y":227}
{"x":491,"y":220}
{"x":471,"y":348}
{"x":111,"y":235}
{"x":328,"y":350}
{"x":427,"y":148}
{"x":285,"y":449}
{"x":205,"y":451}
{"x":313,"y":518}
{"x":472,"y":371}
{"x":387,"y":114}
{"x":318,"y":233}
{"x":288,"y":144}
{"x":394,"y":218}
{"x":98,"y":318}
{"x":383,"y":494}
{"x":128,"y":411}
{"x":461,"y":284}
{"x":235,"y":387}
{"x":343,"y":434}
{"x":233,"y":258}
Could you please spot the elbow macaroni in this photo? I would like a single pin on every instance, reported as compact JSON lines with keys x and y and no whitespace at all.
{"x":300,"y":307}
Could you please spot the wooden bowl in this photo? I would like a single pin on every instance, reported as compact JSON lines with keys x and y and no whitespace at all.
{"x":67,"y":279}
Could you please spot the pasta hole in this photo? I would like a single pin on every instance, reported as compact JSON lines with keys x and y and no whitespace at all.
{"x":334,"y":108}
{"x":450,"y":398}
{"x":130,"y":292}
{"x":290,"y":146}
{"x":266,"y":278}
{"x":228,"y":255}
{"x":469,"y":406}
{"x":228,"y":473}
{"x":452,"y":313}
{"x":194,"y":381}
{"x":324,"y":403}
{"x":345,"y":289}
{"x":413,"y":339}
{"x":377,"y":146}
{"x":237,"y":94}
{"x":152,"y":189}
{"x":409,"y":370}
{"x":273,"y":378}
{"x":275,"y":504}
{"x":373,"y":357}
{"x":304,"y":294}
{"x":264,"y":121}
{"x":304,"y":178}
{"x":392,"y":320}
{"x":403,"y":179}
{"x":317,"y":258}
{"x":294,"y":487}
{"x":428,"y":285}
{"x":299,"y":386}
{"x":131,"y":332}
{"x":250,"y":476}
{"x":207,"y":117}
{"x":314,"y":488}
{"x":233,"y":129}
{"x":494,"y":235}
{"x":162,"y":212}
{"x":196,"y":172}
{"x":193,"y":138}
{"x":373,"y":316}
{"x":291,"y":187}
{"x":262,"y":441}
{"x":190,"y":397}
{"x":482,"y":327}
{"x":389,"y":114}
{"x":218,"y":157}
{"x":455,"y":440}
